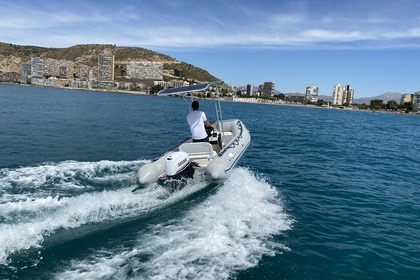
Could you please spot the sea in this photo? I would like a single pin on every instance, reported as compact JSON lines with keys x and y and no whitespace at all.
{"x":319,"y":194}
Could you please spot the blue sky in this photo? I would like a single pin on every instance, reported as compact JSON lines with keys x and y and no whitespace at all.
{"x":373,"y":45}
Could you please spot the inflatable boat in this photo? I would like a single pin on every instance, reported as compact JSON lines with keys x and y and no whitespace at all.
{"x":199,"y":161}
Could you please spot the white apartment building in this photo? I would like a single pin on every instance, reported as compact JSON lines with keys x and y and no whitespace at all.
{"x":179,"y":83}
{"x":37,"y":67}
{"x":106,"y":64}
{"x":163,"y":84}
{"x":342,"y":95}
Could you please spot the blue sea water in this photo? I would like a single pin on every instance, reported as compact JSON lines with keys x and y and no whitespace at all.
{"x":319,"y":194}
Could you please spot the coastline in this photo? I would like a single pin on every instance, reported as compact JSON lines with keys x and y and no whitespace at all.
{"x":237,"y":99}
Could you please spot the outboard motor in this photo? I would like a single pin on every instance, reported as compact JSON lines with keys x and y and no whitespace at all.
{"x":178,"y":166}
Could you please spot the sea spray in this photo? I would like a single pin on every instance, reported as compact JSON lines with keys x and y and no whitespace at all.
{"x":227,"y":232}
{"x":27,"y":219}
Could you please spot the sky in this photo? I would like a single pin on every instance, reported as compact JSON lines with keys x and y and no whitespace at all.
{"x":372,"y":45}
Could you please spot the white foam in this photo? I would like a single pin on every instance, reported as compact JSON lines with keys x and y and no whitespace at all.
{"x":229,"y":231}
{"x":26,"y":222}
{"x":66,"y":175}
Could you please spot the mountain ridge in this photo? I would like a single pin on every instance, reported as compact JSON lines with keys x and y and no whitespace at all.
{"x":385,"y":97}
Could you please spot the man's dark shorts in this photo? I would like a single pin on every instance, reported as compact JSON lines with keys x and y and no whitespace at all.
{"x":201,"y":140}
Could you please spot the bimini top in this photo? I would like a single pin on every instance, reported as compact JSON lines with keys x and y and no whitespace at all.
{"x":185,"y":89}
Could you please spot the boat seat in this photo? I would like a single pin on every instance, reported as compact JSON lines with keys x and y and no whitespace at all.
{"x":198,"y":150}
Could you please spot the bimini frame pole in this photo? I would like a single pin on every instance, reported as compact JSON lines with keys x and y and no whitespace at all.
{"x":219,"y":116}
{"x":192,"y":99}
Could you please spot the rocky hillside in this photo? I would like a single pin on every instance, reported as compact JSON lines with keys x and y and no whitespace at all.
{"x":86,"y":56}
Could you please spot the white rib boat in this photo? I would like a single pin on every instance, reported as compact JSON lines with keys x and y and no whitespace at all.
{"x":213,"y":160}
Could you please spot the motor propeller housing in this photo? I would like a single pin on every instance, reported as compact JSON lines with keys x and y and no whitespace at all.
{"x":179,"y":165}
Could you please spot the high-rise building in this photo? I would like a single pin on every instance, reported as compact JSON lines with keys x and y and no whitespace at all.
{"x":106,"y":68}
{"x":25,"y":73}
{"x":267,"y":89}
{"x":416,"y":101}
{"x":249,"y":89}
{"x":311,"y":93}
{"x":37,"y":67}
{"x":350,"y":95}
{"x":342,"y":95}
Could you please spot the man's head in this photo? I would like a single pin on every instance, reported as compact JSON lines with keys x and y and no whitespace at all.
{"x":195,"y":105}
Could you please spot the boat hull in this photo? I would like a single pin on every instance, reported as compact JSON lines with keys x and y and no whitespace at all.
{"x":210,"y":162}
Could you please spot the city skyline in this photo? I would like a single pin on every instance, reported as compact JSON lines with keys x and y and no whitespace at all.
{"x":372,"y":45}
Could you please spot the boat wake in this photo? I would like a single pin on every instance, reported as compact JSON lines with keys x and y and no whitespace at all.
{"x":229,"y":230}
{"x":67,"y":178}
{"x":38,"y":201}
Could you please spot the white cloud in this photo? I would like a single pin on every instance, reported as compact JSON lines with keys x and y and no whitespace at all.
{"x":179,"y":25}
{"x":411,"y":33}
{"x":322,"y":35}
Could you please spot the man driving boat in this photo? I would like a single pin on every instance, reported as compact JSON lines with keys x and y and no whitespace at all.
{"x":198,"y":122}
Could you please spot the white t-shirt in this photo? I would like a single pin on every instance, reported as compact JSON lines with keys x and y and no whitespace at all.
{"x":196,"y":121}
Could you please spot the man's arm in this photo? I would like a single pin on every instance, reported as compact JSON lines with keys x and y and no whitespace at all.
{"x":207,"y":123}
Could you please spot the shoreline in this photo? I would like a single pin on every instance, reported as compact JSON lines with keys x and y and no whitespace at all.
{"x":252,"y":100}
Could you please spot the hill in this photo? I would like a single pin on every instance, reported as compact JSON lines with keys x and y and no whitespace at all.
{"x":388,"y":96}
{"x":86,"y":56}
